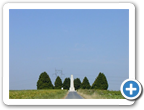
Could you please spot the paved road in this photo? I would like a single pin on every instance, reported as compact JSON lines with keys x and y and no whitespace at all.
{"x":73,"y":95}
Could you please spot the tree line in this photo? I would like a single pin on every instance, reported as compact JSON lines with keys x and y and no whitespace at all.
{"x":44,"y":82}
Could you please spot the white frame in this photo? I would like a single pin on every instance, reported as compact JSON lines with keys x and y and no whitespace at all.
{"x":8,"y":6}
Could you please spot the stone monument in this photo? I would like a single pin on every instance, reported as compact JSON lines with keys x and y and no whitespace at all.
{"x":72,"y":84}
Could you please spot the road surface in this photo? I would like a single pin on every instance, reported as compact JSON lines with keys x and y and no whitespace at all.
{"x":73,"y":95}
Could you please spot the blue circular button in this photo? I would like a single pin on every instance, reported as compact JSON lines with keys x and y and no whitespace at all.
{"x":130,"y":89}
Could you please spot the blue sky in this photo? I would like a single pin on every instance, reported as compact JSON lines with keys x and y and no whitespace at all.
{"x":79,"y":42}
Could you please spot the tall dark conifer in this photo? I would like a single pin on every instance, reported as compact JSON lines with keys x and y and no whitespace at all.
{"x":85,"y":84}
{"x":77,"y":83}
{"x":44,"y":81}
{"x":100,"y":82}
{"x":58,"y":83}
{"x":66,"y":83}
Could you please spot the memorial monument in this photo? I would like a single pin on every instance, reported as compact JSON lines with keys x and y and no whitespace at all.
{"x":71,"y":84}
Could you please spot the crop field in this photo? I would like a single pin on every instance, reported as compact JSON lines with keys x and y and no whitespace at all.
{"x":100,"y":94}
{"x":37,"y":94}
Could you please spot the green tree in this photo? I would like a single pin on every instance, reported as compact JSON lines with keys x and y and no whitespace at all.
{"x":66,"y":83}
{"x":44,"y":81}
{"x":85,"y":84}
{"x":100,"y":82}
{"x":58,"y":83}
{"x":77,"y":83}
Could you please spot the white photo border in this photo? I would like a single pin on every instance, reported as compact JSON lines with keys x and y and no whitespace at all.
{"x":8,"y":6}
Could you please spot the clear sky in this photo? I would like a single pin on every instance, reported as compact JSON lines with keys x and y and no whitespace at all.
{"x":79,"y":42}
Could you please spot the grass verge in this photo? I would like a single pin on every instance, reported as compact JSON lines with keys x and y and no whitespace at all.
{"x":99,"y":94}
{"x":37,"y":94}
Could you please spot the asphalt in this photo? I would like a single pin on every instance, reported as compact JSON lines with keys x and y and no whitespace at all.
{"x":73,"y":95}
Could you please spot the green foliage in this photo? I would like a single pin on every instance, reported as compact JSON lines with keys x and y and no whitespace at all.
{"x":66,"y":83}
{"x":44,"y":81}
{"x":58,"y":83}
{"x":77,"y":83}
{"x":85,"y":84}
{"x":37,"y":94}
{"x":100,"y":94}
{"x":100,"y":82}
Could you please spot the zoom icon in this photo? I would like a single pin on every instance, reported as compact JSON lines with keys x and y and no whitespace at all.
{"x":131,"y":89}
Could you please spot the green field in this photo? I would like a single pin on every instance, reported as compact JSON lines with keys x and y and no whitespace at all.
{"x":100,"y":94}
{"x":37,"y":94}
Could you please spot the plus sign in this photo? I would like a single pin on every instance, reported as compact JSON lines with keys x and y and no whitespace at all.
{"x":131,"y":89}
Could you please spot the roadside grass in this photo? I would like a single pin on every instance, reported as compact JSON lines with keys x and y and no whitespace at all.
{"x":99,"y":94}
{"x":37,"y":94}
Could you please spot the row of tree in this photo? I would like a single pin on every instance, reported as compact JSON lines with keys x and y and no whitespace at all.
{"x":44,"y":82}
